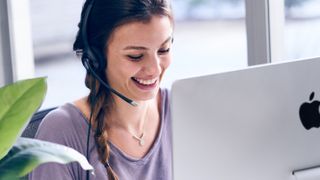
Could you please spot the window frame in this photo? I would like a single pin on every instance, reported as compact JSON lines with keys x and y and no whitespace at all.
{"x":16,"y":42}
{"x":265,"y":31}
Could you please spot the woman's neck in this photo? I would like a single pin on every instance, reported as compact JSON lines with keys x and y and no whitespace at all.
{"x":130,"y":118}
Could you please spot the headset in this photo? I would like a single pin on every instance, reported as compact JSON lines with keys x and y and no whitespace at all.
{"x":94,"y":62}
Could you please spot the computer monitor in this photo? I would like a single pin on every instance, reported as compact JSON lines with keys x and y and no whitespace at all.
{"x":258,"y":123}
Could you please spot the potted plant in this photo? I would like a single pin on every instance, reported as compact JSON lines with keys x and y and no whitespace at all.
{"x":18,"y":155}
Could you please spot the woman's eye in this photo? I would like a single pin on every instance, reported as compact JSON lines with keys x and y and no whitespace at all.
{"x":135,"y":57}
{"x":164,"y":51}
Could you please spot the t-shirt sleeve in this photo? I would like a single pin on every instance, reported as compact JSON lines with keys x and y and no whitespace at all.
{"x":56,"y":127}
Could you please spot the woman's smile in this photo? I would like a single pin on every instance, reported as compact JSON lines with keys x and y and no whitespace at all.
{"x":145,"y":84}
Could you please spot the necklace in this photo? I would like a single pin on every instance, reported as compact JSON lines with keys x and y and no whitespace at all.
{"x":140,"y":139}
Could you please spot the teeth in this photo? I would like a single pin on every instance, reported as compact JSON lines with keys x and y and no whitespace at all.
{"x":146,"y":82}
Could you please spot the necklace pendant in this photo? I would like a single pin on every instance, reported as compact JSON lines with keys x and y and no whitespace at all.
{"x":139,"y":139}
{"x":141,"y":142}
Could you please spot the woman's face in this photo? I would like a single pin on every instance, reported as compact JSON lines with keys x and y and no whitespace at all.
{"x":138,"y":54}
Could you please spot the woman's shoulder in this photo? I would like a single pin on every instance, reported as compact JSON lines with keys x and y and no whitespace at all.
{"x":165,"y":95}
{"x":62,"y":115}
{"x":165,"y":91}
{"x":165,"y":100}
{"x":61,"y":123}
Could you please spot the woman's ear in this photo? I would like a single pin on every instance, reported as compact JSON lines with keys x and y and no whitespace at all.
{"x":99,"y":59}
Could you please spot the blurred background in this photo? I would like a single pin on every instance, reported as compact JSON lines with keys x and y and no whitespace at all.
{"x":210,"y":37}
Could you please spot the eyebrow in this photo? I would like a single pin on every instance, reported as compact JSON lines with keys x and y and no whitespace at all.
{"x":144,"y":48}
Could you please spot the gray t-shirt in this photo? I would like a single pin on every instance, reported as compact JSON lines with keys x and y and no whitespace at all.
{"x":67,"y":125}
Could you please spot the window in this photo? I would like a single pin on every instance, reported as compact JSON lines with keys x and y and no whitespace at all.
{"x":54,"y":26}
{"x":209,"y":37}
{"x":302,"y":26}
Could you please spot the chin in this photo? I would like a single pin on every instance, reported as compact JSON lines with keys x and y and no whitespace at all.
{"x":146,"y":96}
{"x":144,"y":92}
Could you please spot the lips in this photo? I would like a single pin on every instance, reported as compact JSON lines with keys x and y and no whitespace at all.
{"x":145,"y":82}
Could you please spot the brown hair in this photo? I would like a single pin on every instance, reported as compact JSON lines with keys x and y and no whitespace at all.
{"x":104,"y":18}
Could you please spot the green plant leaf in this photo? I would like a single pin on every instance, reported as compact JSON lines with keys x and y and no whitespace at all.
{"x":18,"y":102}
{"x":28,"y":153}
{"x":9,"y":177}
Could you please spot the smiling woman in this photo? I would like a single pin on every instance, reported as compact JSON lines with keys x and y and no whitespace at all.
{"x":125,"y":47}
{"x":138,"y":54}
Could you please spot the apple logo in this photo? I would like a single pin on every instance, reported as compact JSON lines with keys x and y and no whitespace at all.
{"x":309,"y":113}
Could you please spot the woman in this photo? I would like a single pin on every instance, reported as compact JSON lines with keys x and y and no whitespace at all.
{"x":129,"y":43}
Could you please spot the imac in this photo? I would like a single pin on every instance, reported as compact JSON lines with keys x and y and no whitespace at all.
{"x":258,"y":123}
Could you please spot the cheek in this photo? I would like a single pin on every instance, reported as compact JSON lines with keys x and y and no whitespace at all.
{"x":114,"y":71}
{"x":116,"y":63}
{"x":122,"y":69}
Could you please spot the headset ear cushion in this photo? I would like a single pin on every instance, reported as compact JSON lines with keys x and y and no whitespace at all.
{"x":98,"y":59}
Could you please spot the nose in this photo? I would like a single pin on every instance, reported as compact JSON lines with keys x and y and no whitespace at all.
{"x":152,"y":66}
